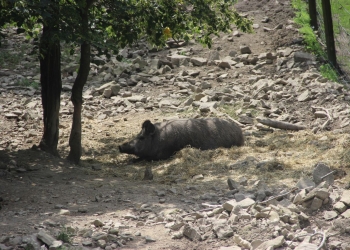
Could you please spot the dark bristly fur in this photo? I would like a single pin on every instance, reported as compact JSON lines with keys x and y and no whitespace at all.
{"x":161,"y":140}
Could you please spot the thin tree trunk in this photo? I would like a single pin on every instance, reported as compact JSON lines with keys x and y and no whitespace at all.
{"x":77,"y":93}
{"x":51,"y":84}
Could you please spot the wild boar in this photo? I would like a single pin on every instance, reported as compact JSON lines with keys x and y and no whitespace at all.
{"x":160,"y":141}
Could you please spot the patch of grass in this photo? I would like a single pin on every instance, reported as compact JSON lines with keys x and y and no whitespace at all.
{"x":230,"y":110}
{"x":328,"y":72}
{"x":68,"y":52}
{"x":66,"y":234}
{"x":303,"y":19}
{"x":9,"y":59}
{"x":28,"y":83}
{"x":63,"y":237}
{"x":340,"y":10}
{"x":29,"y":246}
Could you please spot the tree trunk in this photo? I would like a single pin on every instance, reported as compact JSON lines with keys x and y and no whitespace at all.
{"x":51,"y":84}
{"x":77,"y":93}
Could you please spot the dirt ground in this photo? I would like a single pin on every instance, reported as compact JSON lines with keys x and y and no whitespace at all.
{"x":109,"y":186}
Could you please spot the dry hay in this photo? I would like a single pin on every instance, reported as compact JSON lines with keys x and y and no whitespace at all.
{"x":278,"y":157}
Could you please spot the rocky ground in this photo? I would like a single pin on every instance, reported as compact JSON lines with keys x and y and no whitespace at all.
{"x":285,"y":189}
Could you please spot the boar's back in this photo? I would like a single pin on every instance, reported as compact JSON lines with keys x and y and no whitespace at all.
{"x":208,"y":133}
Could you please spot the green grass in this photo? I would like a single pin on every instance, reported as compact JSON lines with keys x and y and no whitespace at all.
{"x":340,"y":13}
{"x":328,"y":72}
{"x":303,"y":19}
{"x":11,"y":58}
{"x":66,"y":234}
{"x":232,"y":109}
{"x":28,"y":83}
{"x":63,"y":237}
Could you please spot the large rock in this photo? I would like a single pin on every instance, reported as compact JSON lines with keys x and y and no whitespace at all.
{"x":321,"y":170}
{"x":232,"y":185}
{"x":245,"y":50}
{"x":48,"y":239}
{"x":300,"y":56}
{"x":345,"y":198}
{"x":272,"y":244}
{"x":214,"y":55}
{"x":346,"y":214}
{"x":224,"y":64}
{"x":305,"y":182}
{"x":339,"y":206}
{"x":230,"y":248}
{"x":306,"y":246}
{"x":247,"y":202}
{"x":330,"y":215}
{"x":208,"y":106}
{"x":112,"y":86}
{"x":137,"y":98}
{"x":179,"y":60}
{"x":198,"y":61}
{"x":305,"y":96}
{"x":222,"y":229}
{"x":191,"y":233}
{"x":229,"y":205}
{"x":316,"y":204}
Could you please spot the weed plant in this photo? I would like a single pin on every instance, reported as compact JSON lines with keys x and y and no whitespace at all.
{"x":303,"y":19}
{"x":28,"y":83}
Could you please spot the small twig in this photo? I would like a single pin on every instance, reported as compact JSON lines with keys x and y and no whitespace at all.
{"x":280,"y":124}
{"x":199,"y":211}
{"x":259,"y":91}
{"x":157,"y":223}
{"x":278,"y":196}
{"x":324,"y":237}
{"x":298,"y":235}
{"x":210,"y":205}
{"x":330,"y":119}
{"x":328,"y":174}
{"x":230,"y":118}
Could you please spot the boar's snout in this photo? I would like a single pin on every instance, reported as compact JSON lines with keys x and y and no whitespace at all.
{"x":126,"y":148}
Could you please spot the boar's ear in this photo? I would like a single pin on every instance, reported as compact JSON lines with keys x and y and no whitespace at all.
{"x":148,"y":127}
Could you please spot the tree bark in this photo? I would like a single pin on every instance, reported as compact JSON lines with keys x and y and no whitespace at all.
{"x":77,"y":93}
{"x":51,"y":84}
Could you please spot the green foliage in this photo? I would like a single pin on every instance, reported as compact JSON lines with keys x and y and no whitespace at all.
{"x":8,"y":58}
{"x":328,"y":72}
{"x":340,"y":12}
{"x":66,"y":234}
{"x":303,"y":19}
{"x":117,"y":23}
{"x":29,"y":246}
{"x":63,"y":237}
{"x":311,"y":41}
{"x":28,"y":83}
{"x":231,"y":110}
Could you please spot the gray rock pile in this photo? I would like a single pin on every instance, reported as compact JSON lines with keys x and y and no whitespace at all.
{"x":184,"y":81}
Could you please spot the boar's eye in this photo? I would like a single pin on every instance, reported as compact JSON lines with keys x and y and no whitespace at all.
{"x":141,"y":137}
